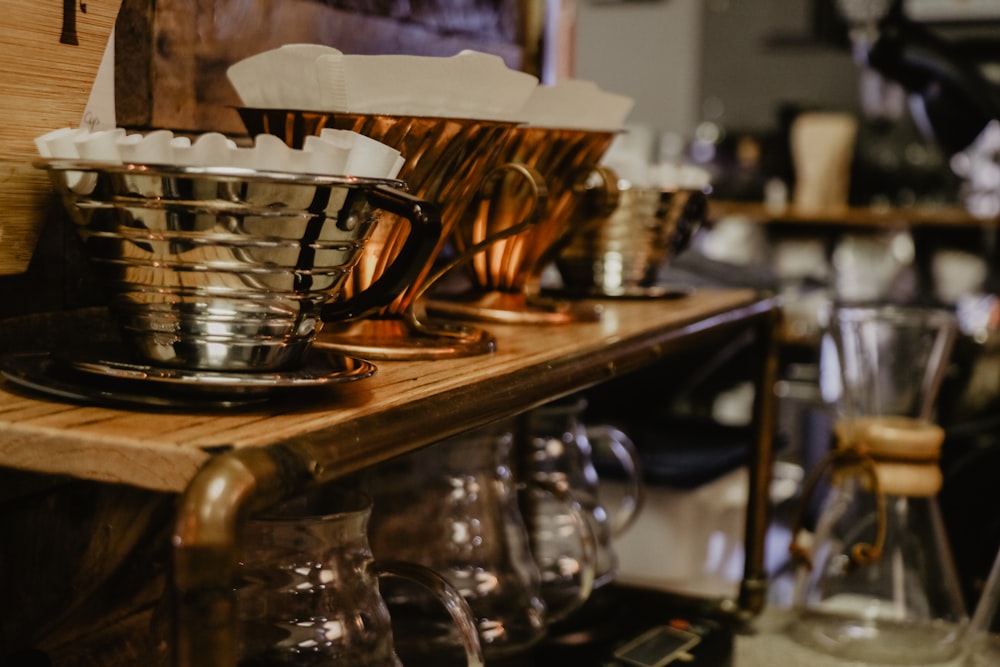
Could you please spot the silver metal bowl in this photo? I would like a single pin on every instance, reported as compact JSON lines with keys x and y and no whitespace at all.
{"x":620,"y":254}
{"x":235,"y":269}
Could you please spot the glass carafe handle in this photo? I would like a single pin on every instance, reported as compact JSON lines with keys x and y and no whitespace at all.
{"x":607,"y":438}
{"x":588,"y":547}
{"x":456,"y":605}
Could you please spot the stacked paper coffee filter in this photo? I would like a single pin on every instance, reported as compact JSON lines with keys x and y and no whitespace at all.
{"x":314,"y":77}
{"x":576,"y":104}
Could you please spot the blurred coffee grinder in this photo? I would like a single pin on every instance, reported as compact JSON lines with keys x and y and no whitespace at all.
{"x":950,"y":96}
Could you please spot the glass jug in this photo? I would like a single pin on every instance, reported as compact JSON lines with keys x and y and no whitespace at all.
{"x":879,"y":584}
{"x":560,"y":454}
{"x":982,"y":647}
{"x":454,"y":507}
{"x":308,"y":591}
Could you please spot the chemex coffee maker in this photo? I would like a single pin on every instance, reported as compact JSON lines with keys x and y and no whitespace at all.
{"x":877,"y":583}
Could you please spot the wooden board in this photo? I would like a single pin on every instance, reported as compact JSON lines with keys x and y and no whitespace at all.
{"x":184,"y":74}
{"x":49,"y":56}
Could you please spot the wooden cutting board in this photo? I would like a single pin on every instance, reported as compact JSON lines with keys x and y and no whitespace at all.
{"x":50,"y":52}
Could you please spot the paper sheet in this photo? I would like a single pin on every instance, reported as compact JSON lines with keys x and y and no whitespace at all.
{"x":100,"y":111}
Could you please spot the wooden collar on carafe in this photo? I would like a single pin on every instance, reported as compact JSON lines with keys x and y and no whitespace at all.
{"x":905,"y":451}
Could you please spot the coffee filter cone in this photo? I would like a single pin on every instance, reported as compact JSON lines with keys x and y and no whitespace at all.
{"x":335,"y":152}
{"x":365,"y":156}
{"x":469,"y":84}
{"x":285,"y":77}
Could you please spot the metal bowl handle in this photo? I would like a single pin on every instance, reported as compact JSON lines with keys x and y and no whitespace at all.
{"x":425,"y":232}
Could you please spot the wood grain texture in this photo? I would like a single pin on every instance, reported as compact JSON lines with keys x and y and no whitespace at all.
{"x":404,"y":406}
{"x":84,"y":567}
{"x":46,"y":85}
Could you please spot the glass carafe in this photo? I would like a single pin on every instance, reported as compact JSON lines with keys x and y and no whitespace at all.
{"x":454,"y":507}
{"x":308,"y":590}
{"x":982,"y":648}
{"x":878,"y":583}
{"x":559,"y":452}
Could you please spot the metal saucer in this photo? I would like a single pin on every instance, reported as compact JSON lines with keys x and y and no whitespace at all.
{"x":398,"y":339}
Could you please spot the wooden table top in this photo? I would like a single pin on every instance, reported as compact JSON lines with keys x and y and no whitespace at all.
{"x":405,"y":405}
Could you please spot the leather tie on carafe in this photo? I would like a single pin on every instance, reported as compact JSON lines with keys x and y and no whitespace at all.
{"x":897,"y":455}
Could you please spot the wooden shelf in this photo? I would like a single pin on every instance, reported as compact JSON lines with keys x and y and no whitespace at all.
{"x":212,"y":468}
{"x":405,"y":405}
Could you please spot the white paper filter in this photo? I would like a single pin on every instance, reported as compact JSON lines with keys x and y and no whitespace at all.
{"x":281,"y":78}
{"x":334,"y":152}
{"x":576,"y":104}
{"x":469,"y":84}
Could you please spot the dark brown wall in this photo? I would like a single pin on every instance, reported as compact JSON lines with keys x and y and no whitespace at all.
{"x":193,"y":42}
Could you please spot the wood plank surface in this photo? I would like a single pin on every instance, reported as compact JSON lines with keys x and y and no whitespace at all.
{"x":49,"y":56}
{"x":405,"y":405}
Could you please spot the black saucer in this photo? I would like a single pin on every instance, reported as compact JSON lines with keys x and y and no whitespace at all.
{"x":106,"y":376}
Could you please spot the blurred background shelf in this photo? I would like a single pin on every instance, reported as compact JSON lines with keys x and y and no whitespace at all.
{"x":853,"y":216}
